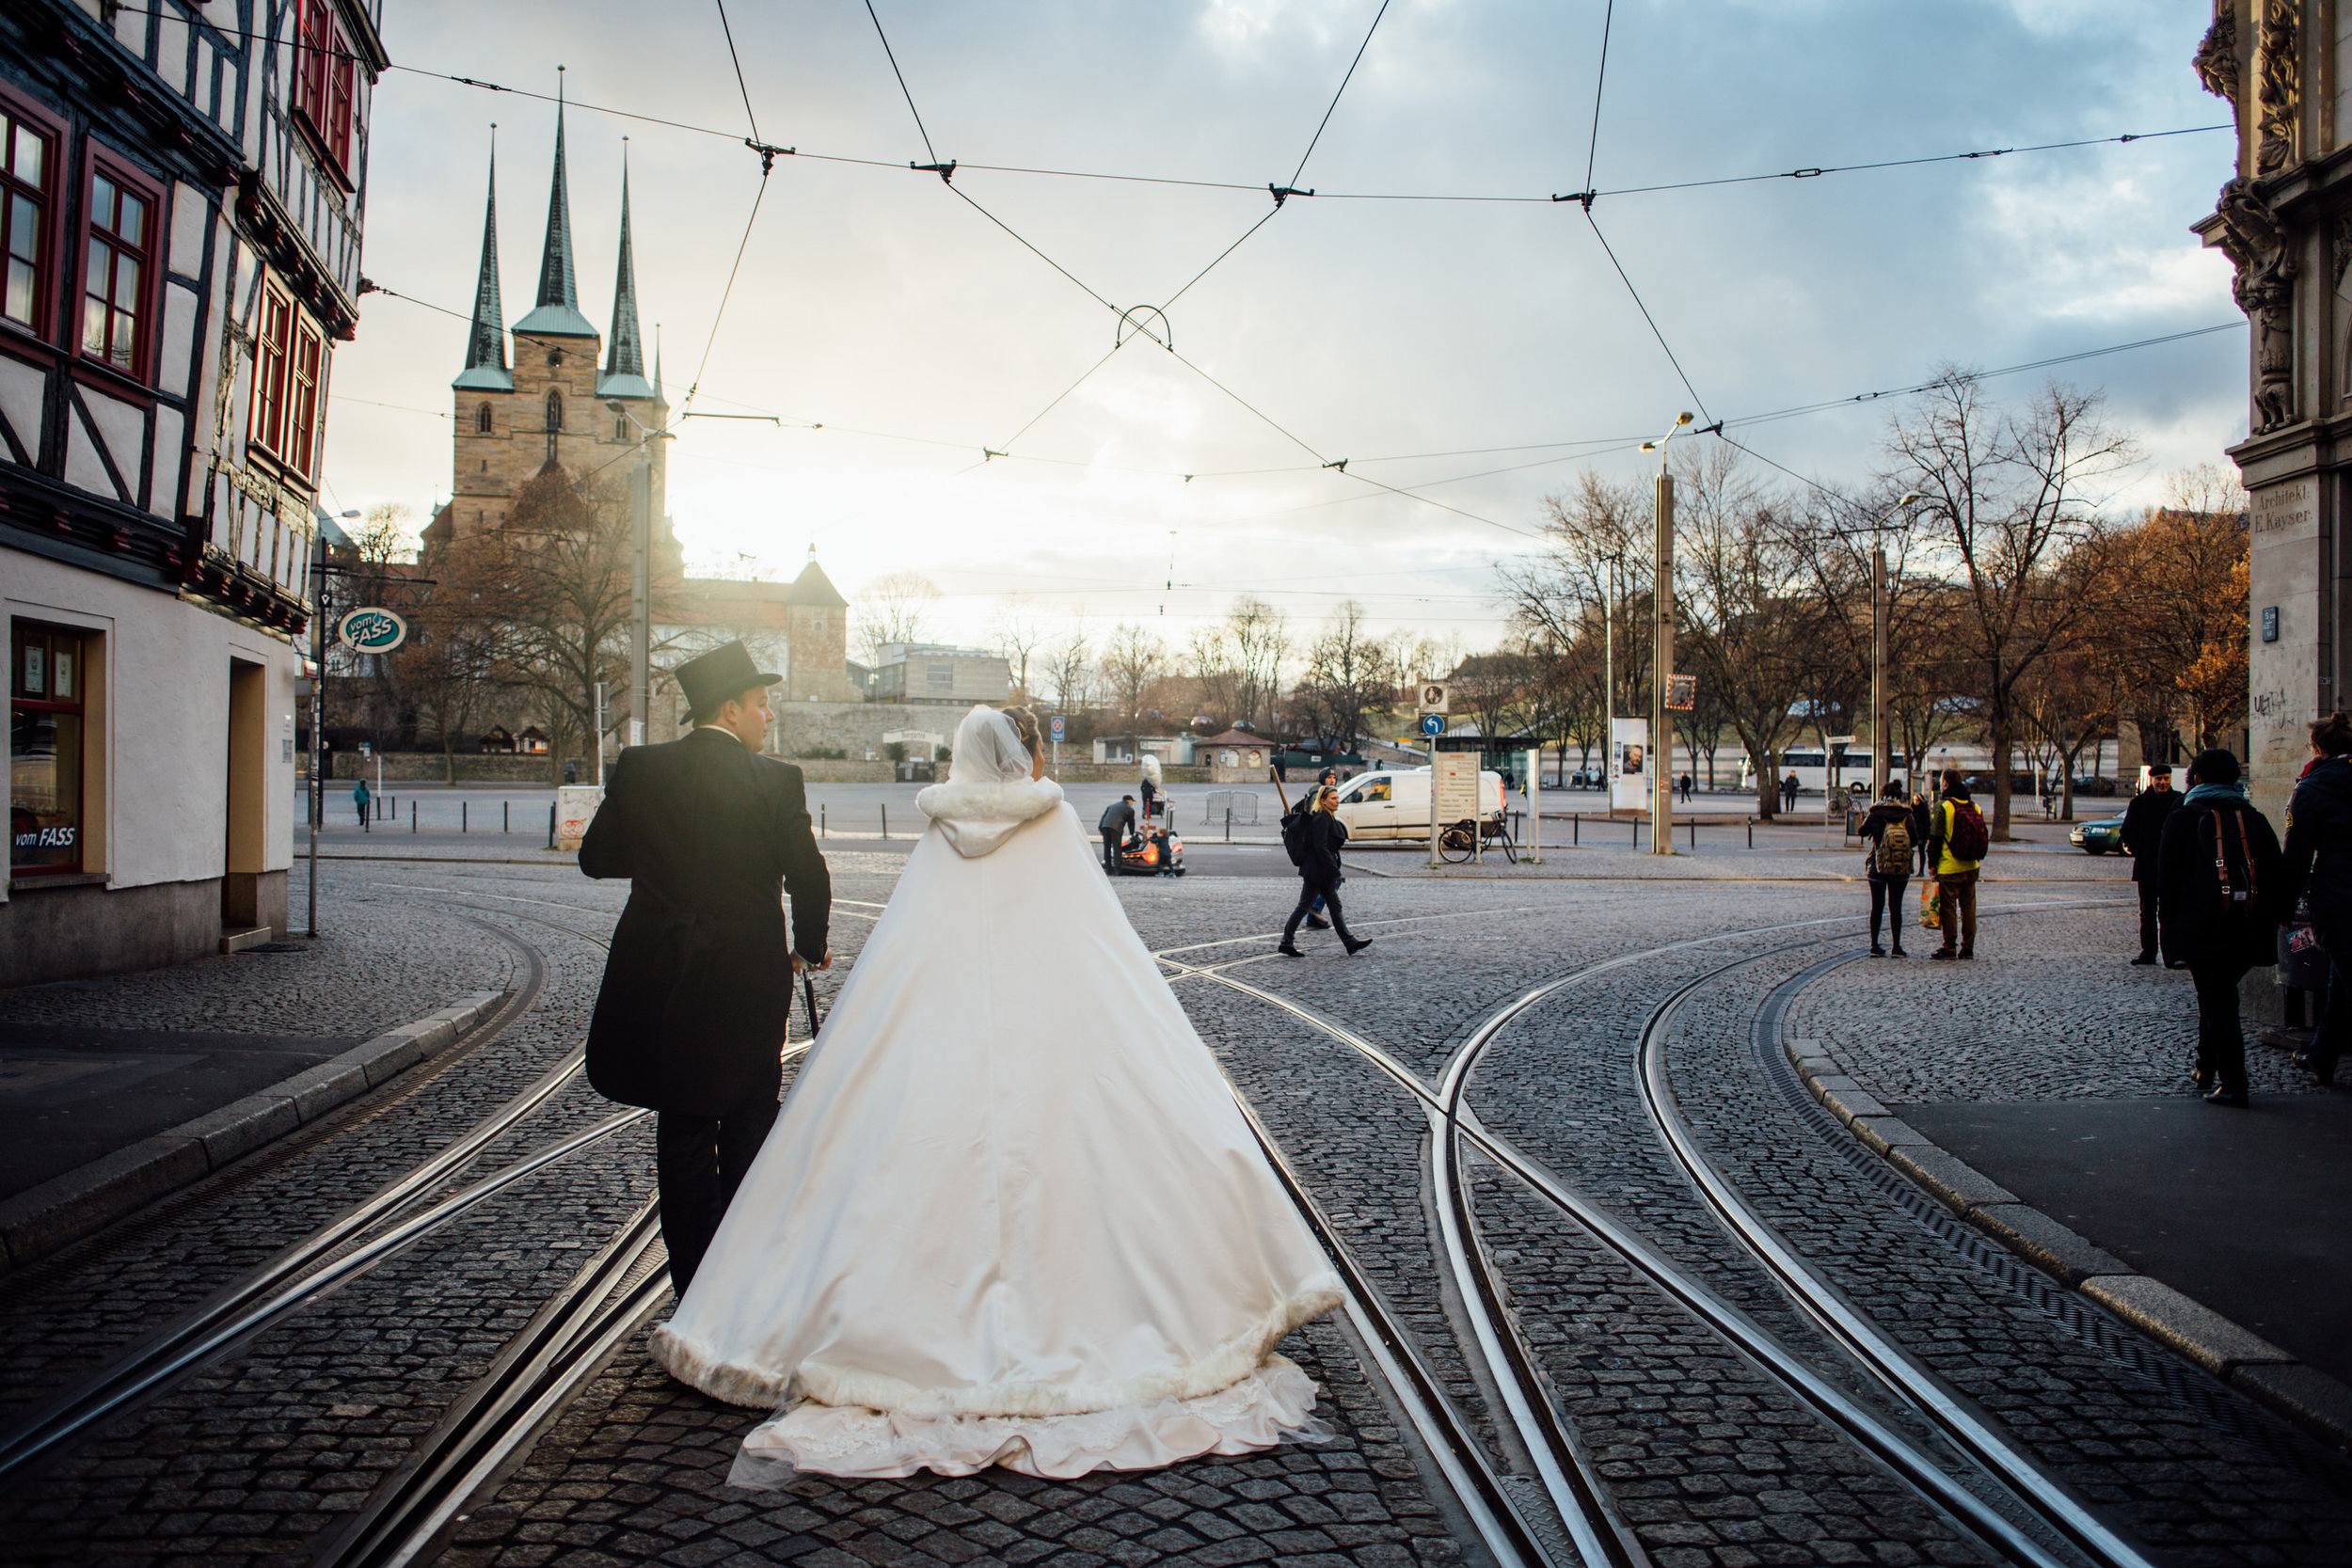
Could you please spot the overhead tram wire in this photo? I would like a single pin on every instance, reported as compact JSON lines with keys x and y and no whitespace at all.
{"x":892,"y":55}
{"x":1592,"y":147}
{"x":1335,"y":97}
{"x":741,"y":86}
{"x":1611,"y":252}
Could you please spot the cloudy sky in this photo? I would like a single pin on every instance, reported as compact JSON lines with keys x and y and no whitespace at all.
{"x":874,"y":301}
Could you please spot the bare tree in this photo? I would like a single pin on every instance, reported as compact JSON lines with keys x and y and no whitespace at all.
{"x":1018,"y":631}
{"x":1348,"y":674}
{"x":1134,"y":659}
{"x":1070,"y":667}
{"x":1259,"y":636}
{"x":2005,"y":496}
{"x":1591,"y":573}
{"x":451,"y":665}
{"x":894,"y":609}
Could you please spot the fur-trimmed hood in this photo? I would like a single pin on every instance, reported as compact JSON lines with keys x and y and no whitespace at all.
{"x":976,"y":818}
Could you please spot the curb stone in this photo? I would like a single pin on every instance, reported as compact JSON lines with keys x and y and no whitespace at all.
{"x":42,"y":1219}
{"x":2313,"y":1400}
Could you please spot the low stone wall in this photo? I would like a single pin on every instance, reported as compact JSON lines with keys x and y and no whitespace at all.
{"x":1124,"y":772}
{"x":827,"y":770}
{"x":430,"y":768}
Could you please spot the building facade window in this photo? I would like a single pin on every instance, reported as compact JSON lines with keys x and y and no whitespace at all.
{"x":482,"y":422}
{"x":273,"y":349}
{"x":327,"y":84}
{"x":114,"y":307}
{"x":46,"y":672}
{"x":555,"y":422}
{"x":620,"y":427}
{"x":27,"y":156}
{"x":306,"y":390}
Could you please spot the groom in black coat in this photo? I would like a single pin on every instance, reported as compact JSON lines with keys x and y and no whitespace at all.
{"x":691,"y":1020}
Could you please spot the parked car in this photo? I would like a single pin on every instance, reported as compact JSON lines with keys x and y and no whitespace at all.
{"x":2103,"y":835}
{"x":2092,"y":783}
{"x":1394,"y":803}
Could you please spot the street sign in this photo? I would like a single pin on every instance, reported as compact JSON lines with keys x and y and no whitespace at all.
{"x":1433,"y":697}
{"x":371,"y":630}
{"x":1433,"y":723}
{"x":1682,"y":693}
{"x":1060,"y":723}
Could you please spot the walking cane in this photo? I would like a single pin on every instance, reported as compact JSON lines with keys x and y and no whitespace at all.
{"x":808,"y":994}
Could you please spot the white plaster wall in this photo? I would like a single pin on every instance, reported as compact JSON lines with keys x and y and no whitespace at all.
{"x":161,"y":793}
{"x":2282,"y":569}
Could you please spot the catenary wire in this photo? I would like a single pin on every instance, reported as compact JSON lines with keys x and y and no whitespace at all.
{"x":1600,"y":80}
{"x":1335,"y":97}
{"x":891,"y":56}
{"x":1611,"y":252}
{"x":749,"y":114}
{"x":728,"y":292}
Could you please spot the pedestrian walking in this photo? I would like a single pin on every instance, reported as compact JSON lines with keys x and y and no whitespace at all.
{"x":2317,"y":871}
{"x":1315,"y":837}
{"x":711,"y":836}
{"x":2143,"y":833}
{"x":1957,"y":841}
{"x":2221,"y":880}
{"x":1689,"y":784}
{"x":1116,"y":824}
{"x":1788,"y":793}
{"x":1153,"y":789}
{"x":1887,"y":863}
{"x":359,"y":800}
{"x":1327,"y":778}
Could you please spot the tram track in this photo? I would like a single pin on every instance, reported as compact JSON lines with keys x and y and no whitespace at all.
{"x":1578,"y":1493}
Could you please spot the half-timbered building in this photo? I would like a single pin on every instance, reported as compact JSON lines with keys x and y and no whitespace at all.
{"x":181,"y":188}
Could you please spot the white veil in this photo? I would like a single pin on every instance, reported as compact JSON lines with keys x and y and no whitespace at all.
{"x":989,"y":793}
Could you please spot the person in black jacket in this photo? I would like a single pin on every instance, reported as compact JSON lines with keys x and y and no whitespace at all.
{"x":691,"y":1020}
{"x":1315,"y":840}
{"x":2143,"y":836}
{"x":2318,"y":871}
{"x":1117,"y":826}
{"x":1888,"y":864}
{"x":2221,"y":883}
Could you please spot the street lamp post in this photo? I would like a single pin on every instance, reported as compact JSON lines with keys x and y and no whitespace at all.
{"x":1880,"y":735}
{"x":1662,"y":751}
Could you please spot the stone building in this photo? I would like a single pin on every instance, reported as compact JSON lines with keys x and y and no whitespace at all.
{"x":181,"y":190}
{"x":2284,"y":220}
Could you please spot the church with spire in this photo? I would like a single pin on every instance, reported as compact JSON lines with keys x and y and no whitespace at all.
{"x":552,"y":403}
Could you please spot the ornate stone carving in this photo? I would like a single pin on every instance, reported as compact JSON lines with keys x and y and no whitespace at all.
{"x":2340,"y":251}
{"x":2278,"y":89}
{"x":2251,"y":237}
{"x":2216,"y":57}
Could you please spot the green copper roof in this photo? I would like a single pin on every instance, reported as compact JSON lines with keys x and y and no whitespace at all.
{"x":558,"y":310}
{"x":485,"y":344}
{"x":625,"y":356}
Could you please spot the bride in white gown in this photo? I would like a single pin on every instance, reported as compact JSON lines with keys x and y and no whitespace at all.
{"x":1009,"y":1214}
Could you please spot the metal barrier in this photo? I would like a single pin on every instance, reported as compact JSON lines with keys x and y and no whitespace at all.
{"x":1230,"y":806}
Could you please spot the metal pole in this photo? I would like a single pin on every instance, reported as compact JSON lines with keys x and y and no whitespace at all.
{"x":601,"y":724}
{"x":641,"y":605}
{"x":1433,"y":801}
{"x":1878,"y":760}
{"x":1663,"y":658}
{"x":1536,"y":806}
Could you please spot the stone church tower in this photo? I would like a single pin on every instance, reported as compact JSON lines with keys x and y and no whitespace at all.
{"x":553,"y":406}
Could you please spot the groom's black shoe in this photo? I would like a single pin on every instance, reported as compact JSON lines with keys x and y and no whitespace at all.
{"x":1293,"y":952}
{"x":1356,"y":947}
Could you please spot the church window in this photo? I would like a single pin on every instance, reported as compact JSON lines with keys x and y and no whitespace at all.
{"x":555,"y":420}
{"x":482,"y":422}
{"x":620,"y":427}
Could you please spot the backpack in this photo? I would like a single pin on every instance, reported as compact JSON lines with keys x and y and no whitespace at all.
{"x":1967,"y":840}
{"x":2240,"y":898}
{"x":1892,"y":858}
{"x":1294,"y":821}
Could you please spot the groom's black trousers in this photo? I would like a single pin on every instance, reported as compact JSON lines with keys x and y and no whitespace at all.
{"x":701,"y":1161}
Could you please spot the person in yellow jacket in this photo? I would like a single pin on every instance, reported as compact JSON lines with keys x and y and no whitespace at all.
{"x":1955,"y":875}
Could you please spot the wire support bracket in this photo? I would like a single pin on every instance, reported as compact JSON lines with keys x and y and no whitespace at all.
{"x":1585,"y":198}
{"x":1283,"y":193}
{"x":1127,"y":319}
{"x":768,"y":154}
{"x":1340,"y":465}
{"x":945,"y":171}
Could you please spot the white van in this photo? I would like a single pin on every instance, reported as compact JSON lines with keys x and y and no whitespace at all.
{"x":1394,"y":803}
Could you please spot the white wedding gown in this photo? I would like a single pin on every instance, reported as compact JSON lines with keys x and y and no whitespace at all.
{"x":1009,"y":1214}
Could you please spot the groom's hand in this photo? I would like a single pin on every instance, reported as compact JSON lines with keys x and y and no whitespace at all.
{"x":801,"y":965}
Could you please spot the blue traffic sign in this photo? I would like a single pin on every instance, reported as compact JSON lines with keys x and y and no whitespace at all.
{"x":1059,"y":722}
{"x":1433,"y":723}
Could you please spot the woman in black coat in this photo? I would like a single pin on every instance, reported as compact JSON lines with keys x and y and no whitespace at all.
{"x":2220,"y":884}
{"x":2319,"y":872}
{"x":1314,"y":841}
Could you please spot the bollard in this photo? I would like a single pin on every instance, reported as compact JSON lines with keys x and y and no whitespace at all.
{"x":506,"y":816}
{"x":1751,"y":833}
{"x":1694,"y":835}
{"x":550,"y":825}
{"x":1229,"y":824}
{"x":412,"y":816}
{"x":464,"y":812}
{"x":1637,"y":833}
{"x":820,"y":820}
{"x":885,"y":819}
{"x":1576,"y":830}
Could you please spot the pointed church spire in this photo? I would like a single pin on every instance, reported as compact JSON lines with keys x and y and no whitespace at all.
{"x":558,"y":310}
{"x":486,"y":345}
{"x":624,"y":359}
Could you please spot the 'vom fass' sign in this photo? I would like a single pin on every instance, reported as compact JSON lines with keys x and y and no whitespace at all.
{"x":371,"y":630}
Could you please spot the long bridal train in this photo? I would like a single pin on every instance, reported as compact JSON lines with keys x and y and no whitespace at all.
{"x":1009,"y":1214}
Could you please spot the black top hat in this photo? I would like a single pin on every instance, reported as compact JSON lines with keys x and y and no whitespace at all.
{"x":709,"y":679}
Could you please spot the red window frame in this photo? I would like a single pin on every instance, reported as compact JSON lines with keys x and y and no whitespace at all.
{"x":28,"y":188}
{"x":272,"y":351}
{"x":104,"y":234}
{"x":306,"y":395}
{"x":325,"y":83}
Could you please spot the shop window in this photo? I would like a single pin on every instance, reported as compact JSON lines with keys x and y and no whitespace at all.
{"x":47,"y":670}
{"x":114,"y":299}
{"x":27,"y":156}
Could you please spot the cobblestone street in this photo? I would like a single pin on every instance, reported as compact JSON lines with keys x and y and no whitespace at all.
{"x":1504,"y":1117}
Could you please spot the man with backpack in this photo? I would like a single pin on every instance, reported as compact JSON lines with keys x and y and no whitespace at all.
{"x":2220,"y":888}
{"x":1957,"y":842}
{"x":1888,"y":865}
{"x":1118,"y":823}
